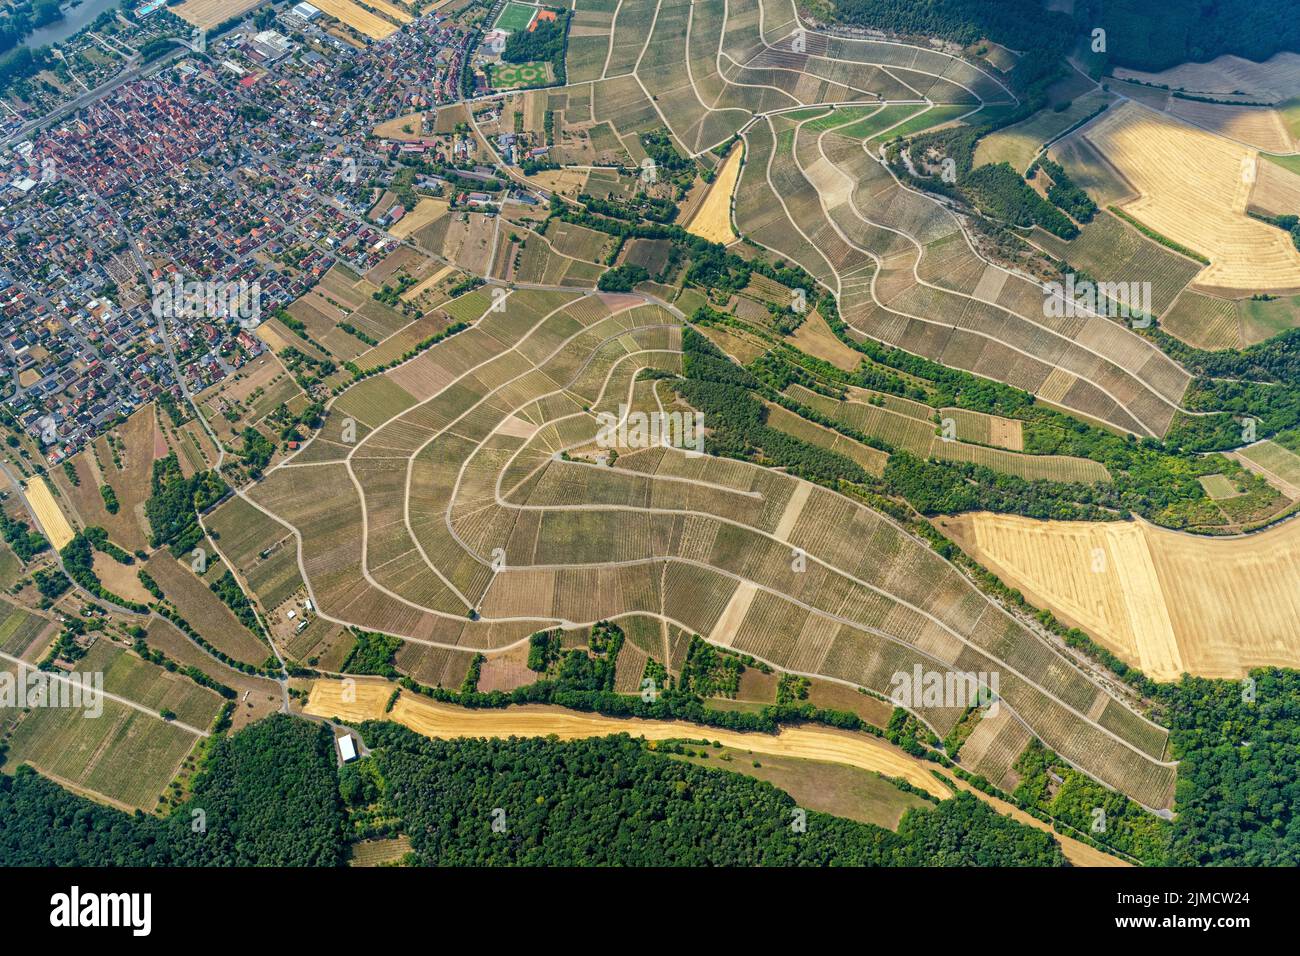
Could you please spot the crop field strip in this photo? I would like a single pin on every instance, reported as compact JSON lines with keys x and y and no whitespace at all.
{"x":402,"y":532}
{"x":1281,"y":466}
{"x":916,"y":433}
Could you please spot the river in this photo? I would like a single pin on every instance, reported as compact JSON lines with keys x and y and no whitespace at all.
{"x":73,"y":20}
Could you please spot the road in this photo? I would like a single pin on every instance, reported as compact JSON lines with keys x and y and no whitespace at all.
{"x":125,"y":701}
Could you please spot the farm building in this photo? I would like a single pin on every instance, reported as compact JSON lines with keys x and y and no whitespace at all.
{"x":347,"y":748}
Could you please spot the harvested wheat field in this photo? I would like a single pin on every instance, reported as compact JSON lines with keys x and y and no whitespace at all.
{"x":1276,"y":192}
{"x":1193,"y":188}
{"x":426,"y":211}
{"x":1257,"y":126}
{"x":402,"y":128}
{"x":208,"y":13}
{"x":445,"y":720}
{"x":712,"y":221}
{"x":1277,"y":78}
{"x":52,"y":519}
{"x":358,"y":18}
{"x":815,"y":337}
{"x":1164,"y":601}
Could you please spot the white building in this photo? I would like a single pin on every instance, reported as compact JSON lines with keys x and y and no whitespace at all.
{"x":306,"y":12}
{"x":347,"y":748}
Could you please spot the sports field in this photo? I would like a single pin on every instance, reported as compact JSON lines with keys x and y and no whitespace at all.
{"x":515,"y":17}
{"x":514,"y":76}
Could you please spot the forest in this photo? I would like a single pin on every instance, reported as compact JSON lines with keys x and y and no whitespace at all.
{"x":268,"y":796}
{"x":614,"y":801}
{"x":1001,"y":193}
{"x":1238,"y":793}
{"x":1144,"y":34}
{"x":737,"y":421}
{"x":1065,"y":192}
{"x":1020,"y":24}
{"x":174,"y":501}
{"x":1158,"y":34}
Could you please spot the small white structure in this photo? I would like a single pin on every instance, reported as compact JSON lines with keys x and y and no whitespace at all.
{"x":347,"y":748}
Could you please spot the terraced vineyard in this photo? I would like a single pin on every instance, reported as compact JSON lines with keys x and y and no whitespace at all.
{"x":812,"y":190}
{"x":469,"y":510}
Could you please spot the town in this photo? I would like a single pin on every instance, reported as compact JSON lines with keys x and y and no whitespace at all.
{"x":248,"y":158}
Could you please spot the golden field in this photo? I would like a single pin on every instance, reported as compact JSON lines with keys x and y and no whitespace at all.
{"x":1193,"y":187}
{"x":712,"y":221}
{"x":53,"y":522}
{"x":1164,"y":601}
{"x":433,"y":719}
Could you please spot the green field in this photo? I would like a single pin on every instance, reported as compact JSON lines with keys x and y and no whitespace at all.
{"x":1019,"y":143}
{"x":1110,"y":250}
{"x":1289,"y":110}
{"x":872,"y":125}
{"x":1280,"y":461}
{"x":123,"y":755}
{"x":18,"y":628}
{"x":1290,"y":163}
{"x":862,"y":795}
{"x":511,"y":76}
{"x":515,"y":17}
{"x":1219,"y":487}
{"x":934,"y":116}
